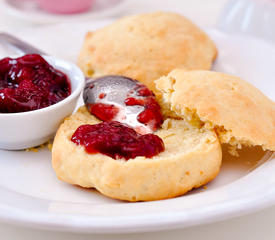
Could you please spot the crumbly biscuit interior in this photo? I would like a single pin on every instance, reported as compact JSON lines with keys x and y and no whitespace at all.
{"x":190,"y":115}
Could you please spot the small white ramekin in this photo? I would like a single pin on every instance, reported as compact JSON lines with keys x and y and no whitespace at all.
{"x":29,"y":129}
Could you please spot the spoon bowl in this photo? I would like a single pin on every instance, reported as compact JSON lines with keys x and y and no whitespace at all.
{"x":112,"y":91}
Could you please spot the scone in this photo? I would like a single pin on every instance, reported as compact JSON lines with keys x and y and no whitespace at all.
{"x":146,"y":47}
{"x":239,"y":113}
{"x":192,"y":157}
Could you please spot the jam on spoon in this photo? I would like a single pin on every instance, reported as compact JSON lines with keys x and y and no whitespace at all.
{"x":118,"y":98}
{"x":29,"y":82}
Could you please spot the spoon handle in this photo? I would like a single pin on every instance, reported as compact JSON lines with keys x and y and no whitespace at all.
{"x":17,"y":45}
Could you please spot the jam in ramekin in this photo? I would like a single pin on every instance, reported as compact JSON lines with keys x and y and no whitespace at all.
{"x":28,"y":83}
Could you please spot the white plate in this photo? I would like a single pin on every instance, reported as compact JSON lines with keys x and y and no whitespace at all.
{"x":32,"y":196}
{"x":30,"y":12}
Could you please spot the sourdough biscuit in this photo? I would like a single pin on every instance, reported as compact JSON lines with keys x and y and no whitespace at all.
{"x":240,"y":113}
{"x":192,"y":158}
{"x":146,"y":47}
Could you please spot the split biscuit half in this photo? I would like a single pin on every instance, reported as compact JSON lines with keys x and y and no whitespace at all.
{"x":192,"y":157}
{"x":237,"y":111}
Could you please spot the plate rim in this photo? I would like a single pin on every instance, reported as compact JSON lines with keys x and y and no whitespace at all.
{"x":148,"y":222}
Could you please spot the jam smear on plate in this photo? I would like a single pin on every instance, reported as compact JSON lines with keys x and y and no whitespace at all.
{"x":117,"y":140}
{"x":29,"y":82}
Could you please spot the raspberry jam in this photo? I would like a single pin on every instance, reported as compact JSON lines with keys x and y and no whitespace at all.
{"x":28,"y":83}
{"x":116,"y":140}
{"x":151,"y":115}
{"x":105,"y":112}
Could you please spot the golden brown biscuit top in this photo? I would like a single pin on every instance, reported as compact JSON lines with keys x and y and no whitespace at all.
{"x":146,"y":46}
{"x":238,"y":110}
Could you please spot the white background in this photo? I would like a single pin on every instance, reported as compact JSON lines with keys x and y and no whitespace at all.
{"x":259,"y":225}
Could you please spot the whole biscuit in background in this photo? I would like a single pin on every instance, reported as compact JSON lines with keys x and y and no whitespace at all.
{"x":239,"y":112}
{"x":146,"y":47}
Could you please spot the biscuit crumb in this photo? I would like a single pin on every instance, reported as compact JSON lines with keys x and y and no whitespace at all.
{"x":47,"y":144}
{"x":90,"y":72}
{"x":33,"y":149}
{"x":233,"y":151}
{"x":50,"y":145}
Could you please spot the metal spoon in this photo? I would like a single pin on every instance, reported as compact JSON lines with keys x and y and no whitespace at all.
{"x":115,"y":90}
{"x":16,"y":45}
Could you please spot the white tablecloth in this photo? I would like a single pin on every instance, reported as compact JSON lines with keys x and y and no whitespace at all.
{"x":259,"y":225}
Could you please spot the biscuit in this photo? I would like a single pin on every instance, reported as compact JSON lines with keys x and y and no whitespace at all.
{"x":239,"y":112}
{"x":146,"y":47}
{"x":192,"y":157}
